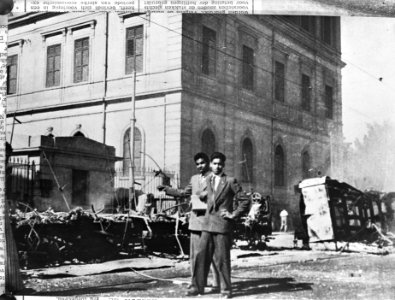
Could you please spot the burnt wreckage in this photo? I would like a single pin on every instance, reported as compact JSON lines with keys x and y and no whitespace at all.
{"x":54,"y":212}
{"x":53,"y":238}
{"x":336,"y":211}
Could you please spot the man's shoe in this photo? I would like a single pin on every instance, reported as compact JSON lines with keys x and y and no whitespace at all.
{"x":213,"y":290}
{"x":226,"y":295}
{"x":192,"y":292}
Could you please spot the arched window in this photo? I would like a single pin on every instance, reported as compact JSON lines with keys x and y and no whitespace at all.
{"x":247,"y":158}
{"x":279,"y":164}
{"x":79,"y":133}
{"x":126,"y":151}
{"x":305,"y":164}
{"x":208,"y":142}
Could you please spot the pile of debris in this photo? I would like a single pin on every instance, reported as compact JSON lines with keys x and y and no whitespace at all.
{"x":53,"y":238}
{"x":338,"y":212}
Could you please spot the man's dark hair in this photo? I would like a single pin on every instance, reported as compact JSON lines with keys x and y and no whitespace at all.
{"x":219,"y":155}
{"x":201,"y":155}
{"x":7,"y":297}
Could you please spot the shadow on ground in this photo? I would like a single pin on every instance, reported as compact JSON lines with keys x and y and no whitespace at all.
{"x":257,"y":286}
{"x":121,"y":288}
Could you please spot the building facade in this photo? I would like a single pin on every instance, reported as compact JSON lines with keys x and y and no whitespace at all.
{"x":265,"y":90}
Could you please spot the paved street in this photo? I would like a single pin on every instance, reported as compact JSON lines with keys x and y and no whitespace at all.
{"x":277,"y":273}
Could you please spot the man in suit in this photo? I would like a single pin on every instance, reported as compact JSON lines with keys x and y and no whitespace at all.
{"x":216,"y":238}
{"x":196,"y":185}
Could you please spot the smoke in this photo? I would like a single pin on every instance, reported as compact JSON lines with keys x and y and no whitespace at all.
{"x":370,"y":162}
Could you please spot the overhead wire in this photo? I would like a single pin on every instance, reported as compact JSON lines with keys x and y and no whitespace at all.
{"x":217,"y":49}
{"x":272,"y":73}
{"x":376,"y":78}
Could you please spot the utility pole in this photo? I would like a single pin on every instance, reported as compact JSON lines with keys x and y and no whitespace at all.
{"x":132,"y":192}
{"x":105,"y":82}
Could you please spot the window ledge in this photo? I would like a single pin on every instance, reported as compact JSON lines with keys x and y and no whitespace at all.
{"x":18,"y":43}
{"x":47,"y":34}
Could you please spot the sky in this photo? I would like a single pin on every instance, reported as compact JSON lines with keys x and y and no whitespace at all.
{"x":368,"y":49}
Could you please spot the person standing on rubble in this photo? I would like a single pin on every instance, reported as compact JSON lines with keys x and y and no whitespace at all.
{"x":196,"y":185}
{"x":216,"y":240}
{"x":284,"y":222}
{"x":304,"y":217}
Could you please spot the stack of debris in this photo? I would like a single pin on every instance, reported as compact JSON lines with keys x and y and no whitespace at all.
{"x":338,"y":212}
{"x":52,"y":238}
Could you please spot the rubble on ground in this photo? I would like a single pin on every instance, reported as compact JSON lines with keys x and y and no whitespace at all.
{"x":80,"y":236}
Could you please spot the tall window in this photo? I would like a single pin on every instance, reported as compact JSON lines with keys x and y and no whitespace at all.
{"x":81,"y":60}
{"x":209,"y":55}
{"x":327,"y":30}
{"x":134,"y":49}
{"x":305,"y":164}
{"x":279,"y":164}
{"x":12,"y":69}
{"x":328,"y":102}
{"x":306,"y":92}
{"x":307,"y":23}
{"x":53,"y":65}
{"x":248,"y":68}
{"x":137,"y":151}
{"x":279,"y":81}
{"x":208,"y":142}
{"x":247,"y":157}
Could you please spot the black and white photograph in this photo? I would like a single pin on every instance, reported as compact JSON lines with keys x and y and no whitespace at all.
{"x":174,"y":155}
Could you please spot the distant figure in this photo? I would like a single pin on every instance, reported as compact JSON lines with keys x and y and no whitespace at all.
{"x":145,"y":204}
{"x":304,"y":217}
{"x":283,"y":216}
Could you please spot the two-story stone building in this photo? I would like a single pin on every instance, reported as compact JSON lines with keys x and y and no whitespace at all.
{"x":265,"y":90}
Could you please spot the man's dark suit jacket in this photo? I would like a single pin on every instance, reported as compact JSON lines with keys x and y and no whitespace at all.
{"x":228,"y":191}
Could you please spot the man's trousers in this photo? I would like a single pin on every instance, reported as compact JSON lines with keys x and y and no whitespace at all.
{"x":193,"y":250}
{"x":214,"y":247}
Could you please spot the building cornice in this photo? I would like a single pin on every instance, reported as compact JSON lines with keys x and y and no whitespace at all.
{"x":29,"y":18}
{"x":90,"y":103}
{"x":304,"y":39}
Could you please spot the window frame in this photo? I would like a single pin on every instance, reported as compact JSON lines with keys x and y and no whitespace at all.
{"x":54,"y":70}
{"x":209,"y":51}
{"x":247,"y":173}
{"x":279,"y":84}
{"x":279,"y":167}
{"x":327,"y":30}
{"x":329,"y":102}
{"x":10,"y":78}
{"x":247,"y":70}
{"x":210,"y":146}
{"x":306,"y":92}
{"x":308,"y":23}
{"x":128,"y":63}
{"x":81,"y":49}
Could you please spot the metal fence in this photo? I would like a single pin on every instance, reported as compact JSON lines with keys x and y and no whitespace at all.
{"x":147,"y":181}
{"x":23,"y":179}
{"x":20,"y":180}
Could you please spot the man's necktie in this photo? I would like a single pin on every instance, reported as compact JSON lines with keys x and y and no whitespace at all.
{"x":214,"y":183}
